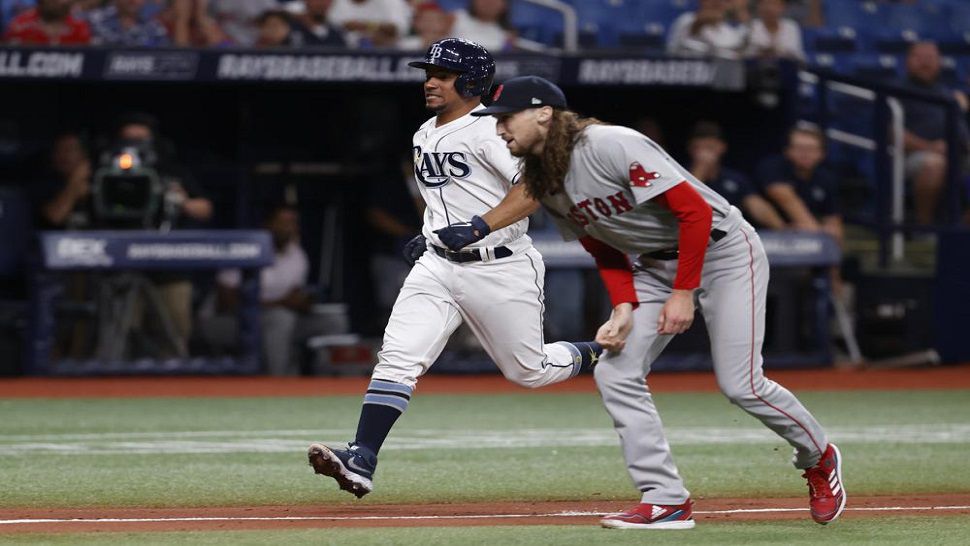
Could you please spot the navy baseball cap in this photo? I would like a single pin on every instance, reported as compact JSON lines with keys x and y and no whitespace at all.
{"x":523,"y":93}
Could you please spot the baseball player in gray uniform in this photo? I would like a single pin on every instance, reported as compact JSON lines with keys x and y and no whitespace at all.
{"x":467,"y":178}
{"x":620,"y":194}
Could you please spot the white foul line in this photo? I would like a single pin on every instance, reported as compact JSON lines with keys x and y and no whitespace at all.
{"x":458,"y":517}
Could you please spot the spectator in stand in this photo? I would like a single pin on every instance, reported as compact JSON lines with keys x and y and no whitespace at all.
{"x":120,"y":24}
{"x":237,"y":18}
{"x":772,"y":36}
{"x":707,"y":32}
{"x":706,"y":147}
{"x":61,"y":199}
{"x":274,"y":29}
{"x":429,"y":24}
{"x":372,"y":23}
{"x":312,"y":28}
{"x":62,"y":196}
{"x":803,"y":190}
{"x":925,"y":136}
{"x":189,"y":24}
{"x":284,"y":294}
{"x":487,"y":23}
{"x":50,"y":23}
{"x":394,"y":211}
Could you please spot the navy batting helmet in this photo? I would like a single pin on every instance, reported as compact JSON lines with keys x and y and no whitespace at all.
{"x":473,"y":63}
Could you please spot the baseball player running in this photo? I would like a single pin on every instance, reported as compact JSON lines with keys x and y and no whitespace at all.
{"x":467,"y":178}
{"x":619,"y":193}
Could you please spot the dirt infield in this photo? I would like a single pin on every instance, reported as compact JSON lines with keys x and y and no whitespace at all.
{"x":440,"y":515}
{"x":942,"y":377}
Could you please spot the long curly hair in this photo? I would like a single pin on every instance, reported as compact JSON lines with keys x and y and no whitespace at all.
{"x":544,"y":174}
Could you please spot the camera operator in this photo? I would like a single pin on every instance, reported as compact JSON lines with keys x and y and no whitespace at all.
{"x":183,"y":203}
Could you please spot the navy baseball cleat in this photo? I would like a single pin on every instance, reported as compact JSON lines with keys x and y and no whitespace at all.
{"x":352,"y":468}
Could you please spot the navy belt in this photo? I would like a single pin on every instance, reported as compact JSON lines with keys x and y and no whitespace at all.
{"x":464,"y":256}
{"x":673,"y":253}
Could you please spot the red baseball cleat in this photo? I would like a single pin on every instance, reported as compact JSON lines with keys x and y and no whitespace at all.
{"x":653,"y":516}
{"x":825,"y":490}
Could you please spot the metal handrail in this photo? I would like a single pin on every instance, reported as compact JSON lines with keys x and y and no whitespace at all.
{"x":889,"y":113}
{"x":570,"y":22}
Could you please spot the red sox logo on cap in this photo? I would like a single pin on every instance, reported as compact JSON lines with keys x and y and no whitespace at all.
{"x":498,"y":92}
{"x":640,"y":177}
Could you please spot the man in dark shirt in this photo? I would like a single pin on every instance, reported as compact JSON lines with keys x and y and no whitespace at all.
{"x":706,"y":147}
{"x":62,"y":195}
{"x":804,"y":191}
{"x":924,"y":139}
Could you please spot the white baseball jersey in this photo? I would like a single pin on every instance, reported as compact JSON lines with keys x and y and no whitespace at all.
{"x":613,"y":174}
{"x":464,"y":169}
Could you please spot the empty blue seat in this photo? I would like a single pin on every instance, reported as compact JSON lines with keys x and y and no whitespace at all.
{"x":837,"y":62}
{"x":951,"y":72}
{"x":536,"y":23}
{"x":894,"y":41}
{"x":836,"y":39}
{"x":882,"y":68}
{"x":959,"y":17}
{"x":853,"y":13}
{"x":653,"y":38}
{"x":955,"y":44}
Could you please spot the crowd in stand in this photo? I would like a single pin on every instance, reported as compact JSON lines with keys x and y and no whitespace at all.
{"x":718,"y":27}
{"x":254,"y":23}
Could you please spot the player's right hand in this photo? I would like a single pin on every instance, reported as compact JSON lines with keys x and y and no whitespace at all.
{"x":414,"y":249}
{"x":613,"y":333}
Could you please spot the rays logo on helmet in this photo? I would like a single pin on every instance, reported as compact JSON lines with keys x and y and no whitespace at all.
{"x":437,"y":169}
{"x":434,"y":52}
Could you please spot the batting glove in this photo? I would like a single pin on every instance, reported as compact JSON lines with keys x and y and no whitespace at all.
{"x":414,"y":249}
{"x":458,"y":236}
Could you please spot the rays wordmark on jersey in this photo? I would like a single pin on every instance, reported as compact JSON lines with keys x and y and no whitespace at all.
{"x":436,"y":169}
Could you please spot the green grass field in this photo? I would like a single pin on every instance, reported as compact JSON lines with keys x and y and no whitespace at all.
{"x":906,"y":530}
{"x":523,"y":446}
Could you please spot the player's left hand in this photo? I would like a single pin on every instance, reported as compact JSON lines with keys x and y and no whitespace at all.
{"x":613,"y":333}
{"x":677,"y":314}
{"x":458,"y":236}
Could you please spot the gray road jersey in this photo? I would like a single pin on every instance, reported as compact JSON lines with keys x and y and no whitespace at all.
{"x":613,"y":174}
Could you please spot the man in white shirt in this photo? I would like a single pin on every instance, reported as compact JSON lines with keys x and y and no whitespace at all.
{"x":774,"y":36}
{"x":372,"y":23}
{"x":282,"y":288}
{"x":706,"y":32}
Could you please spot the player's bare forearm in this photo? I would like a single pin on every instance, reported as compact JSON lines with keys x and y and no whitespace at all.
{"x":198,"y":208}
{"x":382,"y":221}
{"x":833,"y":226}
{"x":784,"y":195}
{"x":515,"y":206}
{"x":762,"y":212}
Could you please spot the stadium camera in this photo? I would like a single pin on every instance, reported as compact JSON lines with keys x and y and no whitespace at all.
{"x":126,"y":190}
